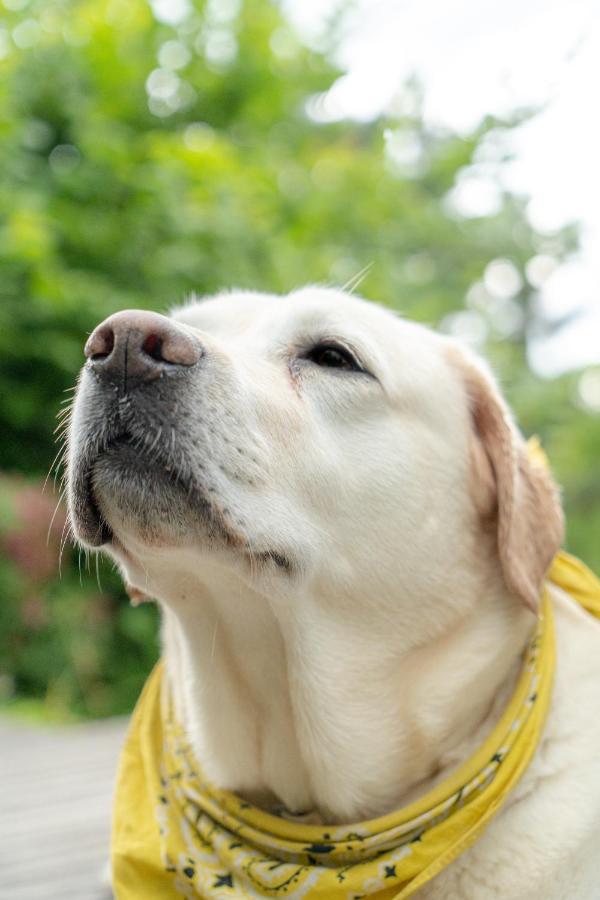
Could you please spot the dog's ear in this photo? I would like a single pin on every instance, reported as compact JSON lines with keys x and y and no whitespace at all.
{"x":511,"y":489}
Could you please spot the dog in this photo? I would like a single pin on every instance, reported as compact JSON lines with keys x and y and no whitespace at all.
{"x":348,"y":541}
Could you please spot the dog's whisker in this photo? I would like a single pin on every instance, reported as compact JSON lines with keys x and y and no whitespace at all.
{"x":66,"y":534}
{"x":98,"y":581}
{"x":214,"y":640}
{"x":356,"y":280}
{"x":54,"y":467}
{"x":59,"y":502}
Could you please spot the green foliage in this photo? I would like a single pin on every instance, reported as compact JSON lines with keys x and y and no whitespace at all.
{"x":71,"y":643}
{"x":140,"y":162}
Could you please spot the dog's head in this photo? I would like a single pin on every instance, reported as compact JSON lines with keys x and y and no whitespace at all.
{"x":314,"y":438}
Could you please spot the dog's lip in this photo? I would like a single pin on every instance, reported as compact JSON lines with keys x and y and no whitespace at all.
{"x":89,"y":524}
{"x":104,"y":533}
{"x":92,"y":527}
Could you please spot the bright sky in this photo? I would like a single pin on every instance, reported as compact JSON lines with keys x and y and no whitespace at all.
{"x":480,"y":56}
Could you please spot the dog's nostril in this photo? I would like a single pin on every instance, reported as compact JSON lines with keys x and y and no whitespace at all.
{"x":100,"y":344}
{"x":152,"y":346}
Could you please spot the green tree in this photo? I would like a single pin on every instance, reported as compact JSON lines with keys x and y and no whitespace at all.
{"x":141,"y":161}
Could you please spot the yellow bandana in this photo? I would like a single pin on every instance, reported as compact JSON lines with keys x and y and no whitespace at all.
{"x":175,"y":834}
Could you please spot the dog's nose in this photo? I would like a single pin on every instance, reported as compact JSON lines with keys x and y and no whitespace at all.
{"x":134,"y":346}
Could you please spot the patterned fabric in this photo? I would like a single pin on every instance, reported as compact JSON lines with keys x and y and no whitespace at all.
{"x":175,"y":834}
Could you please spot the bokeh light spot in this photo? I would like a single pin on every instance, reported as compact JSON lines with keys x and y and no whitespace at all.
{"x":419,"y":268}
{"x":466,"y":325}
{"x":502,"y":278}
{"x":404,"y":150}
{"x":171,"y":12}
{"x":173,"y":55}
{"x":220,"y":47}
{"x":27,"y":34}
{"x":474,"y":196}
{"x":64,"y":158}
{"x":198,"y":136}
{"x":588,"y":389}
{"x":222,"y":10}
{"x":539,"y":268}
{"x":161,"y":84}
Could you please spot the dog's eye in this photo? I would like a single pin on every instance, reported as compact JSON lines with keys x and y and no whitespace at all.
{"x":333,"y":356}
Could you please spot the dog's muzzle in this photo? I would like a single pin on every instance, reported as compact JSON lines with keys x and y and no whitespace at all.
{"x":138,"y":367}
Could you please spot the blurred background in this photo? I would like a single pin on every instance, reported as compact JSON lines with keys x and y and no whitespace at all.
{"x":445,"y":154}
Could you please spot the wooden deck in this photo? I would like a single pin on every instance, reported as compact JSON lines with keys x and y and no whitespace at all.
{"x":55,"y":802}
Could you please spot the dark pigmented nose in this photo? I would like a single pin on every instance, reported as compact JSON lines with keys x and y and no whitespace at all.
{"x":134,"y":346}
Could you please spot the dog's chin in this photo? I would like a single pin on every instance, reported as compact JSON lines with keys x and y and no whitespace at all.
{"x":118,"y":493}
{"x":146,"y":501}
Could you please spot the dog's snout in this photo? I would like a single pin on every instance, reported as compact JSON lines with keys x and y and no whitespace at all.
{"x":139,"y":345}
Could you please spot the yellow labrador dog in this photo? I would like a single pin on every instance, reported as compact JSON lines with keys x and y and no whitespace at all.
{"x":348,"y":542}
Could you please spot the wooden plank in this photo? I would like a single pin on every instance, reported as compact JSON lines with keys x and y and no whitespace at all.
{"x":55,"y":801}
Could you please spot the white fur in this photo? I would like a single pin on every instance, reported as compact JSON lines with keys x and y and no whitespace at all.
{"x":356,"y":683}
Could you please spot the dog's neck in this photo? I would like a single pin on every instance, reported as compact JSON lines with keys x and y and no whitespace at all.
{"x":322,"y":706}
